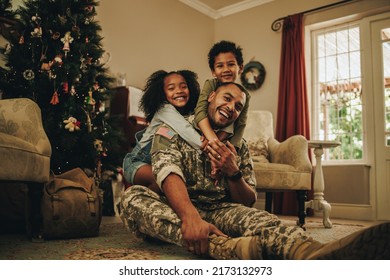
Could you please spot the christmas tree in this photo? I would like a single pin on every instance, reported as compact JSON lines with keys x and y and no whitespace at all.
{"x":55,"y":57}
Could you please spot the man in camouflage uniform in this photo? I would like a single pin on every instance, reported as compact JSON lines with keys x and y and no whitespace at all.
{"x":215,"y":218}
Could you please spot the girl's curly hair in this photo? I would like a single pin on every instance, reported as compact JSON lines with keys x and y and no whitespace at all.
{"x":154,"y":97}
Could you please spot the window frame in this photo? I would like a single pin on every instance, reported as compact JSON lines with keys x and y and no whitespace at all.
{"x":314,"y":103}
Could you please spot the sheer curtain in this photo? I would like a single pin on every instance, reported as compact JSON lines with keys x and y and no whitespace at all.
{"x":292,"y":115}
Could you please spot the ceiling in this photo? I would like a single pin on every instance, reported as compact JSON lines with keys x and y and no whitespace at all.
{"x":220,"y":8}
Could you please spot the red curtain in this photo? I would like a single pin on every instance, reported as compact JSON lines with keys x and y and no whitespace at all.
{"x":292,"y":115}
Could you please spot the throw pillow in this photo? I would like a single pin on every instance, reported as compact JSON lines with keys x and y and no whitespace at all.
{"x":258,"y":149}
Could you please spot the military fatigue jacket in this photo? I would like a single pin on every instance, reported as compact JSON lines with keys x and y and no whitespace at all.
{"x":171,"y":154}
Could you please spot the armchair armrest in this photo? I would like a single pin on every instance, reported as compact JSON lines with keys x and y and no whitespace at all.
{"x":294,"y":151}
{"x":21,"y":118}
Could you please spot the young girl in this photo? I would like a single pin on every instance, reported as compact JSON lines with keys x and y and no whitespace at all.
{"x":167,"y":98}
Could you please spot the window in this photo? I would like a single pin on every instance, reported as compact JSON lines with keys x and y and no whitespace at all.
{"x":386,"y":66}
{"x":337,"y":91}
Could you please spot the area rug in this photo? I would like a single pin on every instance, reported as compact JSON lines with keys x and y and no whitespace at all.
{"x":315,"y":228}
{"x":116,"y":243}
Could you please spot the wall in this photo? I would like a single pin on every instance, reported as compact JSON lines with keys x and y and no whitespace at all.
{"x":147,"y":35}
{"x":347,"y":184}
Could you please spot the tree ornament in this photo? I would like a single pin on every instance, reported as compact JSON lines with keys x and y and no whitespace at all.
{"x":96,"y":86}
{"x":37,"y":33}
{"x":72,"y":91}
{"x":89,"y":9}
{"x":104,"y":59}
{"x":83,"y":64}
{"x":102,"y":107}
{"x":76,"y":31}
{"x":67,"y":40}
{"x":57,"y":60}
{"x":88,"y":20}
{"x":100,"y":148}
{"x":54,"y":99}
{"x":46,"y":66}
{"x":21,"y":40}
{"x":89,"y":100}
{"x":62,"y":19}
{"x":72,"y":124}
{"x":36,"y":19}
{"x":56,"y":35}
{"x":65,"y":87}
{"x":28,"y":75}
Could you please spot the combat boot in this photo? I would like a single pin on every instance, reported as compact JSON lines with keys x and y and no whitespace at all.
{"x":239,"y":248}
{"x":367,"y":244}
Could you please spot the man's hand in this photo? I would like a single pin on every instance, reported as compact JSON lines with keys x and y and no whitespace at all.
{"x":196,"y":232}
{"x":204,"y":143}
{"x":223,"y":156}
{"x":194,"y":229}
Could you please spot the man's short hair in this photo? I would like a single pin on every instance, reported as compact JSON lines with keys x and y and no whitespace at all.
{"x":228,"y":83}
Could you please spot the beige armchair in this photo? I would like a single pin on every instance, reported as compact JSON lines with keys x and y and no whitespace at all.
{"x":278,"y":166}
{"x":25,"y":151}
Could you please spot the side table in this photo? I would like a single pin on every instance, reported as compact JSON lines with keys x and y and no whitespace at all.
{"x":319,"y":203}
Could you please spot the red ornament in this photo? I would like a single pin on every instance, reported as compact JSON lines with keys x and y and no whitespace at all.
{"x":65,"y":87}
{"x":54,"y":99}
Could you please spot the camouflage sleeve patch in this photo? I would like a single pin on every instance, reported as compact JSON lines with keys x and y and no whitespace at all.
{"x":166,"y":132}
{"x":163,"y":138}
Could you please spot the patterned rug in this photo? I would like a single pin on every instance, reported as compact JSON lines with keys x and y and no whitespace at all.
{"x":116,"y":243}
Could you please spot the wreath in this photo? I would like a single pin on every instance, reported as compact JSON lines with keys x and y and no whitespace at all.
{"x":253,"y":75}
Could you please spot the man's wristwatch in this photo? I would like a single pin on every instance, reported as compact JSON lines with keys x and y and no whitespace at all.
{"x":235,"y":177}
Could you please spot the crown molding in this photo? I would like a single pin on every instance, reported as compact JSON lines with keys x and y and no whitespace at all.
{"x":228,"y":10}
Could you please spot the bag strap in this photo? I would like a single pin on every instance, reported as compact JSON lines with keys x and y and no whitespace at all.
{"x":91,"y":204}
{"x":55,"y":199}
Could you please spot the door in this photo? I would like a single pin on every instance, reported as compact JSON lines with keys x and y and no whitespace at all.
{"x":380,"y":52}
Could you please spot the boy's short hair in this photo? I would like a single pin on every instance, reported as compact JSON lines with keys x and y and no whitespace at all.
{"x":225,"y":47}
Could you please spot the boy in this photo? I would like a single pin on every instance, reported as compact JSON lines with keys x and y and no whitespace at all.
{"x":226,"y":64}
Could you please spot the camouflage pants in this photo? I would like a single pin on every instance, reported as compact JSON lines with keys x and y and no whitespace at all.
{"x":146,"y":213}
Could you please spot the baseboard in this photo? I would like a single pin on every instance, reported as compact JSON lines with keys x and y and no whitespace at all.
{"x":339,"y":211}
{"x":350,"y":211}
